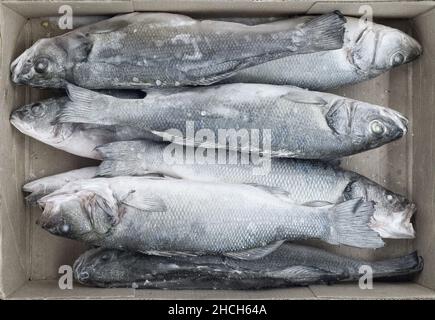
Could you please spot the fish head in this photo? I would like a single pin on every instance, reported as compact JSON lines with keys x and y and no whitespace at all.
{"x":42,"y":65}
{"x":393,"y":212}
{"x":98,"y":265}
{"x":81,"y":214}
{"x":380,"y":48}
{"x":50,"y":62}
{"x":365,"y":126}
{"x":37,"y":120}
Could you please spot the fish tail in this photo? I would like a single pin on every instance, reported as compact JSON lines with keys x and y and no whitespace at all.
{"x":402,"y":266}
{"x":350,"y":225}
{"x":121,"y":150}
{"x":326,"y":32}
{"x":110,"y":168}
{"x":82,"y":107}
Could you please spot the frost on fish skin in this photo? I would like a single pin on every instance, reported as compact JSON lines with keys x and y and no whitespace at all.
{"x":304,"y":180}
{"x":145,"y":214}
{"x":302,"y":124}
{"x":169,"y":50}
{"x":366,"y":53}
{"x":38,"y":120}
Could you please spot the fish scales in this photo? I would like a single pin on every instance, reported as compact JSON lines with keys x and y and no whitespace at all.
{"x":140,"y":50}
{"x":151,"y":214}
{"x":301,"y":124}
{"x":289,"y":265}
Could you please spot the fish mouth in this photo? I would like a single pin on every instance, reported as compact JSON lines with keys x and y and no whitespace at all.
{"x":416,"y":48}
{"x":18,"y":80}
{"x":20,"y":125}
{"x":15,"y":75}
{"x":48,"y":220}
{"x":401,"y":123}
{"x":395,"y":225}
{"x":33,"y":186}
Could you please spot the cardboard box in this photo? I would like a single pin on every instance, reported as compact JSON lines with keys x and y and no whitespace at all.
{"x":30,"y":257}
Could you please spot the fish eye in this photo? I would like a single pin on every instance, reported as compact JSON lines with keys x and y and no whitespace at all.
{"x":37,"y":109}
{"x":105,"y":257}
{"x":389,"y":198}
{"x":377,"y":127}
{"x":65,"y":228}
{"x":84,"y":275}
{"x":41,"y":65}
{"x":397,"y":59}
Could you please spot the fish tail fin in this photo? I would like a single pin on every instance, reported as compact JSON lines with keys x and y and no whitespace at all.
{"x":402,"y":266}
{"x":110,"y":168}
{"x":121,"y":150}
{"x":350,"y":225}
{"x":326,"y":32}
{"x":82,"y":107}
{"x":123,"y":158}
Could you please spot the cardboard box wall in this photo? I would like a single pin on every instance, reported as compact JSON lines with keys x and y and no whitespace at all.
{"x":30,"y":257}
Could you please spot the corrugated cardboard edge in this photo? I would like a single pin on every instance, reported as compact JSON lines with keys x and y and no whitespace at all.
{"x":8,"y":285}
{"x":229,"y":7}
{"x":13,"y":240}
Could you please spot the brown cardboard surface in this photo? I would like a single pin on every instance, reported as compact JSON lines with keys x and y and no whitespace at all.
{"x":379,"y":291}
{"x":14,"y":218}
{"x":51,"y":8}
{"x":49,"y":289}
{"x":405,"y":166}
{"x":423,"y":151}
{"x":385,"y":9}
{"x":276,"y":294}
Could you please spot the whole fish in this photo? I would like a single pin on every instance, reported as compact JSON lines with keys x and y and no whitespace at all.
{"x":289,"y":265}
{"x":305,"y":181}
{"x":368,"y":51}
{"x":37,"y":120}
{"x":140,"y":50}
{"x":168,"y":215}
{"x":279,"y":121}
{"x":44,"y":186}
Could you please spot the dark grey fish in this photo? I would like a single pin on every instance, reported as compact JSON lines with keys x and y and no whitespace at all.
{"x":289,"y":265}
{"x":140,"y":50}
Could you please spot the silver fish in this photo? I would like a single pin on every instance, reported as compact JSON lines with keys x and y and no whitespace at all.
{"x":368,"y":51}
{"x":37,"y":120}
{"x":290,"y":122}
{"x":167,"y":215}
{"x":289,"y":265}
{"x":140,"y":50}
{"x":41,"y":187}
{"x":305,"y":181}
